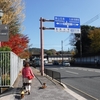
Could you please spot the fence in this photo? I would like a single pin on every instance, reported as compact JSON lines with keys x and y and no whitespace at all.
{"x":53,"y":74}
{"x":89,"y":61}
{"x":10,"y":65}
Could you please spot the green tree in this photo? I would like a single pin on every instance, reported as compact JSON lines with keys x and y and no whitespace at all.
{"x":51,"y":52}
{"x":13,"y":14}
{"x":85,"y":40}
{"x":94,"y":36}
{"x":13,"y":17}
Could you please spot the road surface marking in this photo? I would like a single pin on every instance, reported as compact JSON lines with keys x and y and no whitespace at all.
{"x":71,"y":72}
{"x":87,"y":69}
{"x":77,"y":96}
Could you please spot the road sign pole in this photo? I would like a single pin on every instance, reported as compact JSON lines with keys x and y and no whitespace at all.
{"x":42,"y":42}
{"x":42,"y":48}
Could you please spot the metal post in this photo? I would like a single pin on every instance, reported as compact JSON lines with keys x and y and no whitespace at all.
{"x":41,"y":41}
{"x":42,"y":48}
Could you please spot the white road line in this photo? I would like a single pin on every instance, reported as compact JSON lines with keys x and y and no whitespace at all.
{"x":77,"y":96}
{"x":71,"y":72}
{"x":56,"y":68}
{"x":87,"y":69}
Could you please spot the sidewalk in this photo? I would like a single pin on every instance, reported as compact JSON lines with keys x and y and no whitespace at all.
{"x":53,"y":91}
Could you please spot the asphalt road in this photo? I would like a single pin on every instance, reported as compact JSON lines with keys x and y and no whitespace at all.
{"x":83,"y":79}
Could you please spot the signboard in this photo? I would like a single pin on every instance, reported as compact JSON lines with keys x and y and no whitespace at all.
{"x":4,"y":32}
{"x":67,"y":24}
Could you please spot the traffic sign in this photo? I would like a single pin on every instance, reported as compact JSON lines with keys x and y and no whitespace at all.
{"x":67,"y":24}
{"x":4,"y":32}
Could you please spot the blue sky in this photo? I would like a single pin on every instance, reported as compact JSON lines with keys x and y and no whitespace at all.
{"x":34,"y":9}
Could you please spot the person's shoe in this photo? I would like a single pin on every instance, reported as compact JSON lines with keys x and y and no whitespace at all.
{"x":22,"y":94}
{"x":28,"y":92}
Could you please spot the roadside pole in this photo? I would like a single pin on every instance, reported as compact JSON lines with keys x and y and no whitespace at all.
{"x":42,"y":42}
{"x":42,"y":47}
{"x":62,"y":50}
{"x":81,"y":49}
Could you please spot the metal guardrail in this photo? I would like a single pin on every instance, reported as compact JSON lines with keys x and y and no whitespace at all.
{"x":10,"y":65}
{"x":53,"y":74}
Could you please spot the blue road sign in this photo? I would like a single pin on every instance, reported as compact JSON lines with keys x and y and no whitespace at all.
{"x":67,"y":24}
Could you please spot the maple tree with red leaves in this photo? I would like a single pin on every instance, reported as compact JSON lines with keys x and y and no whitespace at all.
{"x":17,"y":42}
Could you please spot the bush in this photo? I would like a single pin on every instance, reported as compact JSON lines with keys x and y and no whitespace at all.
{"x":5,"y":48}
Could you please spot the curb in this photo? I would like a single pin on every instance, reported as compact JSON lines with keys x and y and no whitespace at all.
{"x":53,"y":80}
{"x":77,"y":96}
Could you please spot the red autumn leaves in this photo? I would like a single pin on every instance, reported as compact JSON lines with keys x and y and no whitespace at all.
{"x":17,"y":43}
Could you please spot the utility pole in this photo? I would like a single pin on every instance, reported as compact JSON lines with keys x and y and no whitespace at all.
{"x":81,"y":48}
{"x":62,"y":50}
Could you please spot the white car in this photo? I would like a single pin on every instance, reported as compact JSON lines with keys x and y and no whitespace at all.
{"x":65,"y":63}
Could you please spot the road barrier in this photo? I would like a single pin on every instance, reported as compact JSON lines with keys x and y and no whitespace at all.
{"x":53,"y":74}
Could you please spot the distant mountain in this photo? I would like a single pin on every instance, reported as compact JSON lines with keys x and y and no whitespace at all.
{"x":34,"y":50}
{"x":48,"y":52}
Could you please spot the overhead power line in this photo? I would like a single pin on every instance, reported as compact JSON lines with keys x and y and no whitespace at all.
{"x":88,"y":22}
{"x":67,"y":38}
{"x":92,"y":19}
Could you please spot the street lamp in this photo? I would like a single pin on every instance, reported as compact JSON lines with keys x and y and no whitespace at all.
{"x":1,"y":14}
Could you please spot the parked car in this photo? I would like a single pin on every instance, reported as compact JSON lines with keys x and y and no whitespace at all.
{"x":66,"y":63}
{"x":31,"y":63}
{"x":55,"y":63}
{"x":35,"y":63}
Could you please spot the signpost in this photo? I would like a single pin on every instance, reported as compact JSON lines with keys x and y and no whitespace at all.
{"x":67,"y":24}
{"x":4,"y":32}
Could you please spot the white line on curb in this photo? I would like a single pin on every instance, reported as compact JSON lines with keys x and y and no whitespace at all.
{"x":75,"y":94}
